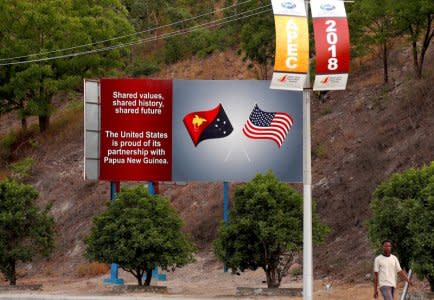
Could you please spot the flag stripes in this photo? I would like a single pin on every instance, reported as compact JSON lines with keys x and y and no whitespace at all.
{"x":268,"y":125}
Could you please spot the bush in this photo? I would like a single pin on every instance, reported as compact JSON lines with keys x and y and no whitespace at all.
{"x":21,"y":169}
{"x":175,"y":49}
{"x":139,"y":231}
{"x":320,"y":151}
{"x":265,"y":229}
{"x":25,"y":229}
{"x":6,"y":143}
{"x":143,"y":68}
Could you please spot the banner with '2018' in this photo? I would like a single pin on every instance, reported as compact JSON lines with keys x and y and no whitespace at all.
{"x":332,"y":45}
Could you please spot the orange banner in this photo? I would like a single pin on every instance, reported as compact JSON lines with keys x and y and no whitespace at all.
{"x":292,"y":51}
{"x":292,"y":45}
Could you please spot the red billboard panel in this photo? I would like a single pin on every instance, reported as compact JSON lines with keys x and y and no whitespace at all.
{"x":136,"y":129}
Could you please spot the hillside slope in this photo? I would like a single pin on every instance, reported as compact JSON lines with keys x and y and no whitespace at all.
{"x":360,"y":137}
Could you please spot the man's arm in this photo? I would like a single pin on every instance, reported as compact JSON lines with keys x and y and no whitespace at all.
{"x":375,"y":285}
{"x":404,"y":277}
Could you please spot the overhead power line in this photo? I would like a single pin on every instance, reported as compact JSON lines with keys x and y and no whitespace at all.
{"x":214,"y":23}
{"x":128,"y":35}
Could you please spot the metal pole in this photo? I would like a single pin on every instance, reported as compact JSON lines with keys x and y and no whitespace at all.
{"x":114,"y":268}
{"x":405,"y":291}
{"x":226,"y":201}
{"x":225,"y":208}
{"x":307,"y":203}
{"x":152,"y":189}
{"x":307,"y":192}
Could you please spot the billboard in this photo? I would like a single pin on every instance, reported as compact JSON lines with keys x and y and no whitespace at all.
{"x":185,"y":130}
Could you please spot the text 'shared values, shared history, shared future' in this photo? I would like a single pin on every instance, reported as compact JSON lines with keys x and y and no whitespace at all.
{"x":136,"y":129}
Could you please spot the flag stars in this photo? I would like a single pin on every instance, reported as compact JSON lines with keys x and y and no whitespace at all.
{"x":261,"y":118}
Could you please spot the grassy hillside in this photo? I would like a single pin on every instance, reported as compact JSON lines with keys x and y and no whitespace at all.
{"x":360,"y":137}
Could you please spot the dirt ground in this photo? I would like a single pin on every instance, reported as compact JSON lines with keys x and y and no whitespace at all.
{"x":202,"y":279}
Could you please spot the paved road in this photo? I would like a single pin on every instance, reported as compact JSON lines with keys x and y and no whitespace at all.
{"x":61,"y":297}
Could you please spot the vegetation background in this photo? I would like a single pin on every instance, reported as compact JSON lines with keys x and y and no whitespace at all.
{"x":381,"y":125}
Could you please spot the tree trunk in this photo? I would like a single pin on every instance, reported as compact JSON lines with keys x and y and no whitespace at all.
{"x":139,"y":276}
{"x":385,"y":63}
{"x":272,"y":278}
{"x":415,"y":57}
{"x":24,"y":124}
{"x":12,"y":276}
{"x":431,"y":282}
{"x":44,"y":123}
{"x":148,"y":277}
{"x":426,"y":42}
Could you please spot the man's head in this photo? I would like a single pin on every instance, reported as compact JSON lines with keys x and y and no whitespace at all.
{"x":387,"y":247}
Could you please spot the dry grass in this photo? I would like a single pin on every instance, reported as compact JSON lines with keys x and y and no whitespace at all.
{"x":357,"y":106}
{"x":92,"y":269}
{"x":373,"y":79}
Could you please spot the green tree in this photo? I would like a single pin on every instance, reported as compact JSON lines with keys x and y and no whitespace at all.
{"x":416,"y":19}
{"x":11,"y":12}
{"x":25,"y":229}
{"x":402,"y":212}
{"x":139,"y":231}
{"x":258,"y":39}
{"x":422,"y":226}
{"x":42,"y":27}
{"x":265,"y":229}
{"x":372,"y":25}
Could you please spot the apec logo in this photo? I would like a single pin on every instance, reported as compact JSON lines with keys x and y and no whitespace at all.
{"x":327,"y":7}
{"x":288,"y":5}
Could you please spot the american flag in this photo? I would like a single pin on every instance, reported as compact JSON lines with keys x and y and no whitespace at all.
{"x":268,"y":125}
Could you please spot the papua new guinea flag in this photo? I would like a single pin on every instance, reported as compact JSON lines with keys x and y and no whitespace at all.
{"x":210,"y":124}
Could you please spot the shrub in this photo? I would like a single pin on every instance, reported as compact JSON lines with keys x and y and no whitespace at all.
{"x":139,"y":231}
{"x":265,"y":229}
{"x":22,"y":169}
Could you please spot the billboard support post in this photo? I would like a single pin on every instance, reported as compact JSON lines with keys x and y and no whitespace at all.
{"x":225,"y":207}
{"x":114,"y":268}
{"x":152,"y":190}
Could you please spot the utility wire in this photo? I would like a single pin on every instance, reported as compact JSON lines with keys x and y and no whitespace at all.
{"x":213,"y":23}
{"x":129,"y":35}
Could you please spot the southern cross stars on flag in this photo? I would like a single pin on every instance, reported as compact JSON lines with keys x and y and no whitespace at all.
{"x":268,"y":125}
{"x":209,"y":124}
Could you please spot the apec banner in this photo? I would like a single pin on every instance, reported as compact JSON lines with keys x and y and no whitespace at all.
{"x":292,"y":45}
{"x":332,"y":44}
{"x":194,"y":131}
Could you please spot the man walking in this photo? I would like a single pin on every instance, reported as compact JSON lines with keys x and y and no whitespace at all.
{"x":386,"y":266}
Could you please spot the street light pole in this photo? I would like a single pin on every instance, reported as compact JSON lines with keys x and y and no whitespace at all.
{"x":307,"y":192}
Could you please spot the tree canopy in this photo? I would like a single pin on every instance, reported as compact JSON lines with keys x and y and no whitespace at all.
{"x":379,"y":23}
{"x":25,"y":229}
{"x":40,"y":29}
{"x":139,"y":231}
{"x":265,"y":228}
{"x":403,"y":211}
